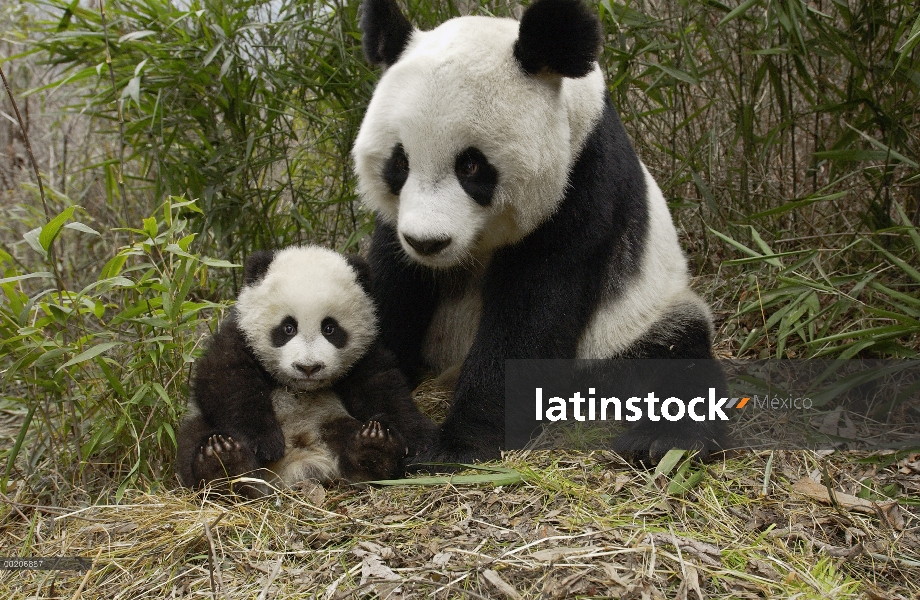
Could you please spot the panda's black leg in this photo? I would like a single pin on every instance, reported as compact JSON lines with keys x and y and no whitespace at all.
{"x":477,"y":445}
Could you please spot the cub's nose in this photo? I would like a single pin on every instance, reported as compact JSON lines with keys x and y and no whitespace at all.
{"x":427,"y":247}
{"x":309,"y":370}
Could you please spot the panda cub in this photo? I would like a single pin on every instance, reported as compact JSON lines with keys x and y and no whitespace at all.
{"x":294,"y":384}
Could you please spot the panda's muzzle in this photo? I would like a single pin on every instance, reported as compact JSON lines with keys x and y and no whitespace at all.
{"x":309,"y":370}
{"x":429,"y":246}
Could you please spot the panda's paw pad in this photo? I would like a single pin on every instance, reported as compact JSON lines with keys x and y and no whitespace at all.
{"x":378,"y":451}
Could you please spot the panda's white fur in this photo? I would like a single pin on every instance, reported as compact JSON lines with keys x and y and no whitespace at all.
{"x":455,"y":87}
{"x":302,"y":415}
{"x":307,"y":283}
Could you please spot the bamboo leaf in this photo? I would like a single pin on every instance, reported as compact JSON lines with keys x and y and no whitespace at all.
{"x":50,"y":231}
{"x":39,"y":275}
{"x":81,"y":227}
{"x":737,"y":12}
{"x":135,"y":35}
{"x":31,"y":238}
{"x":668,"y":462}
{"x":904,"y":266}
{"x":912,"y":40}
{"x":88,"y":354}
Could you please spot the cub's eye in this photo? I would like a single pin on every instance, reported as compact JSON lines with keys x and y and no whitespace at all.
{"x":333,"y":332}
{"x":284,"y":332}
{"x":467,"y":166}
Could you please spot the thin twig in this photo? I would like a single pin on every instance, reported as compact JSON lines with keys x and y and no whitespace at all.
{"x":86,"y":577}
{"x":212,"y":561}
{"x":271,"y":578}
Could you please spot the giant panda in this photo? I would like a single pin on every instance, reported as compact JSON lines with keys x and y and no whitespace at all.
{"x":514,"y":218}
{"x":294,"y":385}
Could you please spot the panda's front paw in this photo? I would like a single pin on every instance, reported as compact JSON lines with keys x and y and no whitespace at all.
{"x":382,"y":437}
{"x":377,"y":451}
{"x":647,"y":446}
{"x":222,"y":458}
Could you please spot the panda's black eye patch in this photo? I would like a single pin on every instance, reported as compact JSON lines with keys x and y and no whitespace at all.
{"x":333,"y":332}
{"x":396,"y":169}
{"x":476,"y":175}
{"x":284,"y":331}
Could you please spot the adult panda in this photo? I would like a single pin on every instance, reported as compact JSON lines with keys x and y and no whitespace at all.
{"x":514,"y":218}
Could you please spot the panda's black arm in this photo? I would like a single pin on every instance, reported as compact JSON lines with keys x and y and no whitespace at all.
{"x":405,"y":295}
{"x":233,"y":392}
{"x":540,"y":294}
{"x":375,"y":385}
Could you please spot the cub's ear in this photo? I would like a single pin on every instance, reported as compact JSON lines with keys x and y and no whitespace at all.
{"x":362,"y":269}
{"x":558,"y":36}
{"x":385,"y":31}
{"x":257,"y":266}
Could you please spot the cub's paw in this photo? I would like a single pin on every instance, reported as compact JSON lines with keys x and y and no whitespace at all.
{"x":376,"y":451}
{"x":220,"y":458}
{"x":383,"y":438}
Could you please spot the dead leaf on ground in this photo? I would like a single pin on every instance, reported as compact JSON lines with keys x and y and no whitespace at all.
{"x":500,"y":584}
{"x":888,"y":511}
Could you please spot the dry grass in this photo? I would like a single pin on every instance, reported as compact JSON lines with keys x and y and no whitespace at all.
{"x":581,"y":525}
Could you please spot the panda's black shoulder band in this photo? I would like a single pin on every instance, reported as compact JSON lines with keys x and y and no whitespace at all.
{"x":385,"y":30}
{"x":558,"y":36}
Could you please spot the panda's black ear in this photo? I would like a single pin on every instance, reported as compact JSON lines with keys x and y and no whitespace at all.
{"x":256,"y":266}
{"x":558,"y":36}
{"x":385,"y":31}
{"x":362,"y":269}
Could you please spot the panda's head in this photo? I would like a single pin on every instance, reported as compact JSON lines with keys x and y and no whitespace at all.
{"x":474,"y":126}
{"x":306,"y":314}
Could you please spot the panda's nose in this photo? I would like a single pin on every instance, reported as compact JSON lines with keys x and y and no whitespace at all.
{"x":427,"y":247}
{"x":309,"y":370}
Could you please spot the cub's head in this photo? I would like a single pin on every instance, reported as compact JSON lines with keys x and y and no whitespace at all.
{"x":306,"y":314}
{"x":474,"y":126}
